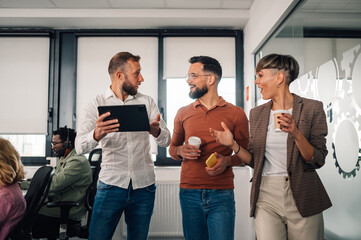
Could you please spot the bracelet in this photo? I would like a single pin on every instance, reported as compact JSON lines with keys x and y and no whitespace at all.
{"x":239,"y":148}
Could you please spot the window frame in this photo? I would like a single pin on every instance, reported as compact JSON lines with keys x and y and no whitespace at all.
{"x":63,"y":66}
{"x":162,"y":159}
{"x":39,"y":160}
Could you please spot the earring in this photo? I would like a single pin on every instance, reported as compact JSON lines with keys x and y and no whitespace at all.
{"x":279,"y":85}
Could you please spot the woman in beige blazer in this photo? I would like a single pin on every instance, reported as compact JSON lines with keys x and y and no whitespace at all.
{"x":287,"y":196}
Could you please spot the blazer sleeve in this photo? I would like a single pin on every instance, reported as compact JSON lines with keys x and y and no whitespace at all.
{"x":317,"y":139}
{"x":251,"y":139}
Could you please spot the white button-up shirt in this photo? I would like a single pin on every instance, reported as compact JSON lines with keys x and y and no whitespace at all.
{"x":126,"y":155}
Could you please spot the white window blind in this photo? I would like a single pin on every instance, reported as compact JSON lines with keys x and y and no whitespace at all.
{"x":24,"y":79}
{"x":94,"y":54}
{"x":178,"y":50}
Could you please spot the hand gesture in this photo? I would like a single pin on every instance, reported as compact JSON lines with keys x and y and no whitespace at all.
{"x":223,"y":137}
{"x":102,"y":128}
{"x":154,"y":126}
{"x":222,"y":163}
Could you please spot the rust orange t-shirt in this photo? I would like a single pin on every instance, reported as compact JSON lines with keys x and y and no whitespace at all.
{"x":195,"y":120}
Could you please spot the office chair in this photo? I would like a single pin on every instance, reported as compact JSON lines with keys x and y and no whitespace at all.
{"x":75,"y":229}
{"x":35,"y":198}
{"x":95,"y":159}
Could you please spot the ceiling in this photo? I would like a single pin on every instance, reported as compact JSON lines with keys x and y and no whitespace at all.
{"x":125,"y":14}
{"x":330,"y":14}
{"x":137,"y":14}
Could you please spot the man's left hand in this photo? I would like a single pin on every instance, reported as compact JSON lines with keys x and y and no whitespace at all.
{"x":154,"y":126}
{"x":222,"y":163}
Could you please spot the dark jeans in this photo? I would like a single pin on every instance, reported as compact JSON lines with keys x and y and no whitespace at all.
{"x":111,"y":201}
{"x":207,"y":214}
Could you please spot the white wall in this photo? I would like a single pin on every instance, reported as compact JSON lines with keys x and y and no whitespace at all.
{"x":264,"y":16}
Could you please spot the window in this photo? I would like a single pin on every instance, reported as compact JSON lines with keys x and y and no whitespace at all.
{"x":177,"y":51}
{"x":28,"y":145}
{"x":164,"y":58}
{"x":94,"y":54}
{"x":24,"y":78}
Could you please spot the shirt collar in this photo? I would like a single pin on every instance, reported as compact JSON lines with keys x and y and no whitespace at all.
{"x":221,"y":103}
{"x":109,"y":94}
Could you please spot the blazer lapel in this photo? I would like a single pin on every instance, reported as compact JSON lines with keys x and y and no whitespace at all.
{"x":296,"y":112}
{"x":263,"y":122}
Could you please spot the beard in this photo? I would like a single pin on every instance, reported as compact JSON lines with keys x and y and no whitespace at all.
{"x":198,"y":93}
{"x":60,"y":152}
{"x":129,"y":88}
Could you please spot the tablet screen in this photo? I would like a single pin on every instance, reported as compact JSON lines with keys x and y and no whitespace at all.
{"x":130,"y":117}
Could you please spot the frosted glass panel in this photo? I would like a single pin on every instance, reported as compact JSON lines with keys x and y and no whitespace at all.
{"x":331,"y":73}
{"x":24,"y":77}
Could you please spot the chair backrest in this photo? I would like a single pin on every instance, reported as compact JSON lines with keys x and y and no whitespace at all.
{"x":95,"y":160}
{"x":35,"y":198}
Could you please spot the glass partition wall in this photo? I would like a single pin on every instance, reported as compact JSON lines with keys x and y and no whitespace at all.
{"x":325,"y":38}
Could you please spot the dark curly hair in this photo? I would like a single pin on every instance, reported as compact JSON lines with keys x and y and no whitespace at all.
{"x":63,"y":134}
{"x":209,"y":65}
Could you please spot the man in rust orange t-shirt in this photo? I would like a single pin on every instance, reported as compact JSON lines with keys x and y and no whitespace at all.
{"x":206,"y":193}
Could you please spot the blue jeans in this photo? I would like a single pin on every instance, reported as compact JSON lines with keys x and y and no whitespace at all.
{"x":207,"y":214}
{"x":109,"y":204}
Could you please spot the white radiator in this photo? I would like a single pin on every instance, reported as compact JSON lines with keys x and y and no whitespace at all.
{"x":167,"y":218}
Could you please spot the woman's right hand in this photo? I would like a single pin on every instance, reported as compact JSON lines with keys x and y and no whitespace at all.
{"x":223,"y":137}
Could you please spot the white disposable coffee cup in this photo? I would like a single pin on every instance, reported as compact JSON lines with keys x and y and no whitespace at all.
{"x":195,"y":141}
{"x":278,"y":113}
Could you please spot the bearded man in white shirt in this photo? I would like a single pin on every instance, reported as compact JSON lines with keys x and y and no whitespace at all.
{"x":126,"y":180}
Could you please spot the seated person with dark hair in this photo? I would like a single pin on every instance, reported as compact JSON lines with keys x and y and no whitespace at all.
{"x":70,"y":181}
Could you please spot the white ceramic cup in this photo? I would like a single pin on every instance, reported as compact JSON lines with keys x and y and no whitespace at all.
{"x":195,"y":141}
{"x":276,"y":114}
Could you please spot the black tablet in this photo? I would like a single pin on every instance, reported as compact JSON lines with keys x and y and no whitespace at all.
{"x":130,"y":117}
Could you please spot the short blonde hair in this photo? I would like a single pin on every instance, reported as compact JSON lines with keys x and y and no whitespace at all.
{"x":11,"y":167}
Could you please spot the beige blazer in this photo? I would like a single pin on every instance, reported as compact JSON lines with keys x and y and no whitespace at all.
{"x":308,"y":191}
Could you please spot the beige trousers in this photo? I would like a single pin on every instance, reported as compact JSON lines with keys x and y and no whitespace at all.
{"x":277,"y":217}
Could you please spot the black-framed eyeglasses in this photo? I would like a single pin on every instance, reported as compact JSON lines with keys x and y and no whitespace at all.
{"x":55,"y":143}
{"x":193,"y":76}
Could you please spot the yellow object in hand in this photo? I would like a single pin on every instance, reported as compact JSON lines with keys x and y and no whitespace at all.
{"x":212,"y":160}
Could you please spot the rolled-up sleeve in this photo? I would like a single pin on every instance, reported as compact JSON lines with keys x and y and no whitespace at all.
{"x":318,"y":133}
{"x":241,"y":135}
{"x":84,"y":141}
